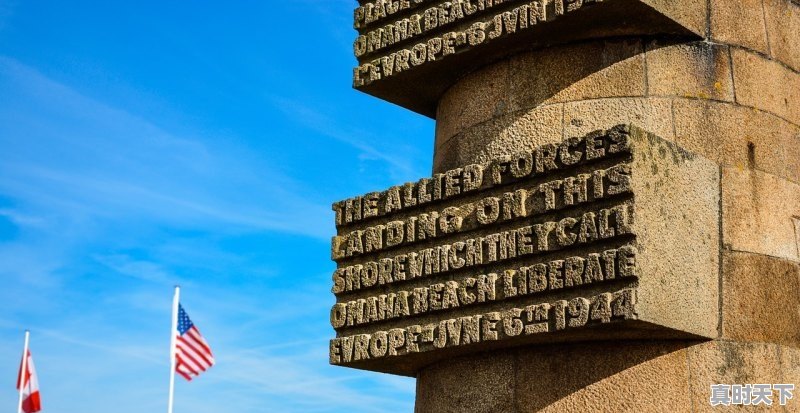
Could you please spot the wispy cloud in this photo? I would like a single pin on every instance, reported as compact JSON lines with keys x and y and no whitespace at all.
{"x":309,"y":389}
{"x":102,"y":160}
{"x":105,"y":204}
{"x":127,"y":350}
{"x":357,"y":139}
{"x":20,"y":218}
{"x":138,"y":269}
{"x":291,"y":375}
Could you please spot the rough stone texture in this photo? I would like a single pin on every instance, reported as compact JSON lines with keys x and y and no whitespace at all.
{"x":525,"y":130}
{"x":797,"y":232}
{"x":769,"y":27}
{"x":724,"y":99}
{"x":522,"y":130}
{"x":628,"y":371}
{"x":790,"y":367}
{"x":691,"y":14}
{"x":792,"y":160}
{"x":757,"y":211}
{"x":669,"y":376}
{"x":480,"y":96}
{"x":761,"y":299}
{"x":738,"y":136}
{"x":577,"y":72}
{"x":730,"y":362}
{"x":698,"y":69}
{"x":421,"y":86}
{"x":790,"y":372}
{"x":758,"y":144}
{"x":739,"y":22}
{"x":651,"y":114}
{"x":766,"y":85}
{"x":659,"y":201}
{"x":672,"y":70}
{"x":466,"y":381}
{"x":783,"y":28}
{"x":677,"y":230}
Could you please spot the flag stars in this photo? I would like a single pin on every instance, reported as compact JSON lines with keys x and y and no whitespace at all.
{"x":184,"y":323}
{"x":192,"y":353}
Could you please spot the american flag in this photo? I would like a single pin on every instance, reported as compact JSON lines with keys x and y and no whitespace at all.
{"x":192,"y":353}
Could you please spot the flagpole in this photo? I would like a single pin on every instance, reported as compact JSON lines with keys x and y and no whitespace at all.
{"x":23,"y":373}
{"x":172,"y":342}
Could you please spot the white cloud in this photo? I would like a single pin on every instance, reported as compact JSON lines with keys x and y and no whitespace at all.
{"x":89,"y":158}
{"x":323,"y":125}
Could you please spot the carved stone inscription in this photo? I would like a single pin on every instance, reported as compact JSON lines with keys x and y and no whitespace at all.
{"x":497,"y":325}
{"x":529,"y":244}
{"x":400,"y":35}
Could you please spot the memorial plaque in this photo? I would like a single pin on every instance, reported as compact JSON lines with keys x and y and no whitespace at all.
{"x":612,"y":235}
{"x":581,"y":274}
{"x":410,"y":51}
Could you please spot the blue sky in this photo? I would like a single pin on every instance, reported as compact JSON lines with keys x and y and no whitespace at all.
{"x":152,"y":143}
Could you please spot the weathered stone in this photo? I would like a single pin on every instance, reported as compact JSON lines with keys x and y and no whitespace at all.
{"x":497,"y":270}
{"x":761,"y":299}
{"x":542,"y":78}
{"x":738,"y":137}
{"x":680,"y":237}
{"x":469,"y":380}
{"x":757,"y":211}
{"x":413,"y":58}
{"x":515,"y":132}
{"x":477,"y":98}
{"x":647,"y":376}
{"x":582,"y":71}
{"x":691,"y":14}
{"x":783,"y":30}
{"x":766,"y":85}
{"x":730,"y":362}
{"x":700,"y":70}
{"x":797,"y":231}
{"x":591,"y":281}
{"x":739,"y":22}
{"x":790,"y":369}
{"x":653,"y":114}
{"x":610,"y":377}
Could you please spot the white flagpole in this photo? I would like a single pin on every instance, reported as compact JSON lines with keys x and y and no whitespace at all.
{"x":172,"y":342}
{"x":24,"y":371}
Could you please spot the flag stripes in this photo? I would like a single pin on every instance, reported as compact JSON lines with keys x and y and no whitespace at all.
{"x":192,"y":353}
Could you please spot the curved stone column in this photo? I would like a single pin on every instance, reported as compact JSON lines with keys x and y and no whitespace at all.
{"x":733,"y":98}
{"x":719,"y":78}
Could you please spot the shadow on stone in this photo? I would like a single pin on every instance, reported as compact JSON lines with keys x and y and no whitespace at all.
{"x":565,"y":377}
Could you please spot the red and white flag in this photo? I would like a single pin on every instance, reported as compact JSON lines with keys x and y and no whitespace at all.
{"x":192,"y":353}
{"x":28,"y":385}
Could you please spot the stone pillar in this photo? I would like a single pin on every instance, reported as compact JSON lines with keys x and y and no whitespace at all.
{"x":733,"y":97}
{"x":719,"y":78}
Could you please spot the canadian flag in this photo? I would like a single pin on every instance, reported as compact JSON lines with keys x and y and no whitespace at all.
{"x":29,"y":388}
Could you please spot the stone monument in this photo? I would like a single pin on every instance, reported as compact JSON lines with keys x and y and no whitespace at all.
{"x":613,"y":219}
